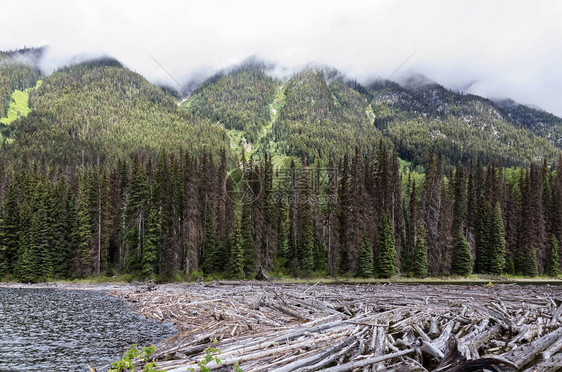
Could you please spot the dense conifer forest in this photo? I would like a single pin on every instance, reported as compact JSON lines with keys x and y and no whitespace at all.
{"x":314,"y":175}
{"x":155,"y":217}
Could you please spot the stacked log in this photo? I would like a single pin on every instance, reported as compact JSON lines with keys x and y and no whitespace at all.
{"x":299,"y":327}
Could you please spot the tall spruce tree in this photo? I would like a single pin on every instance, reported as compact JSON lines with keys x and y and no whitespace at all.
{"x":136,"y":216}
{"x":553,"y":264}
{"x":497,"y":243}
{"x":83,"y":258}
{"x":10,"y":230}
{"x":343,"y":209}
{"x":72,"y":236}
{"x":284,"y":247}
{"x":306,"y":246}
{"x":366,"y":259}
{"x":385,"y":252}
{"x":461,"y":260}
{"x":151,"y":245}
{"x":57,"y":217}
{"x":209,"y":243}
{"x":460,"y":201}
{"x":40,"y":233}
{"x":409,"y":253}
{"x":419,"y":267}
{"x":483,"y":236}
{"x":248,"y":245}
{"x":235,"y":268}
{"x":531,"y":267}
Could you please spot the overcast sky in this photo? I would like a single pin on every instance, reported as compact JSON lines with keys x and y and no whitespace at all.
{"x":493,"y":48}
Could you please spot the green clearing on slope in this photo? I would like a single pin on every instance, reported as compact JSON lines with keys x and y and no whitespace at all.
{"x":19,"y":105}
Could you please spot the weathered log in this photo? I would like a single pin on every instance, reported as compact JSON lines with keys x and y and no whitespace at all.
{"x":317,"y":358}
{"x":553,"y":349}
{"x":360,"y":363}
{"x":553,"y":364}
{"x":490,"y":364}
{"x":269,"y":326}
{"x":526,"y":353}
{"x":428,"y":348}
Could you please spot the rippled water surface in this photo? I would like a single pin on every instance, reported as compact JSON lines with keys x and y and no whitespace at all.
{"x":58,"y":330}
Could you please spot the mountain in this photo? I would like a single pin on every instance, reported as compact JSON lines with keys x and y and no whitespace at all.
{"x":100,"y":109}
{"x":315,"y":113}
{"x":421,"y":117}
{"x":238,"y":100}
{"x":540,"y":122}
{"x":319,"y":112}
{"x":324,"y":116}
{"x":19,"y":72}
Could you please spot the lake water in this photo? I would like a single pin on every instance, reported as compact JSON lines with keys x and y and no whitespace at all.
{"x":59,"y":330}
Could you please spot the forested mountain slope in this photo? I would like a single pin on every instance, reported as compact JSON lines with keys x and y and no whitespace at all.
{"x":238,"y":100}
{"x":100,"y":109}
{"x":324,"y":116}
{"x":541,"y":123}
{"x":427,"y":118}
{"x":319,"y":112}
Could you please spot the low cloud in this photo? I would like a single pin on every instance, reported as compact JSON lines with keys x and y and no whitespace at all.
{"x":496,"y":49}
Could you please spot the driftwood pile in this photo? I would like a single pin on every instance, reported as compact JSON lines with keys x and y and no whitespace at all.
{"x":300,"y":327}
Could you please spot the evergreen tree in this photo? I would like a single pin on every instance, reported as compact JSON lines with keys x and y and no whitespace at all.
{"x":10,"y":230}
{"x":71,"y":236}
{"x":420,"y":259}
{"x":270,"y":214}
{"x":83,"y":264}
{"x":344,"y":205}
{"x":409,"y":252}
{"x":236,"y":258}
{"x":385,"y":252}
{"x":460,"y":264}
{"x":57,"y":219}
{"x":39,"y":235}
{"x":483,"y":236}
{"x":223,"y":253}
{"x":168,"y":195}
{"x":306,"y":240}
{"x":430,"y":212}
{"x":151,"y":248}
{"x":26,"y":266}
{"x":460,"y":201}
{"x":284,"y":249}
{"x":249,"y":249}
{"x":136,"y":215}
{"x":330,"y":215}
{"x":366,"y":259}
{"x":5,"y":268}
{"x":553,"y":264}
{"x":497,"y":243}
{"x":209,"y":242}
{"x":531,"y":267}
{"x":509,"y":266}
{"x":25,"y":270}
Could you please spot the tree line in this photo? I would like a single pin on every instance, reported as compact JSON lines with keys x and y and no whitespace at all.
{"x":361,"y":215}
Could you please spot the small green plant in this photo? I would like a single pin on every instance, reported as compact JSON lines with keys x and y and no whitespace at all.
{"x":126,"y":364}
{"x":194,"y":275}
{"x":211,"y":353}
